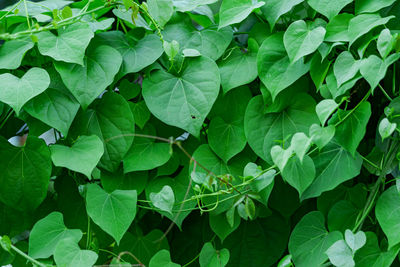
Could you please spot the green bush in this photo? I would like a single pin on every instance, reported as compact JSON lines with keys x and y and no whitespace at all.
{"x":200,"y":133}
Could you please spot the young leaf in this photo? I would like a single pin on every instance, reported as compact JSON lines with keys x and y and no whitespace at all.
{"x":17,"y":91}
{"x":68,"y":254}
{"x":164,"y":200}
{"x":47,"y":233}
{"x":210,"y":257}
{"x":274,"y":67}
{"x":345,"y":67}
{"x":185,"y":100}
{"x":82,"y":156}
{"x":262,"y":180}
{"x":118,"y":209}
{"x":281,"y":156}
{"x":301,"y":39}
{"x":321,"y":136}
{"x":299,"y":174}
{"x":25,"y":173}
{"x":386,"y":128}
{"x":325,"y":109}
{"x":300,"y":144}
{"x":162,"y":258}
{"x":68,"y":45}
{"x":234,"y":11}
{"x":355,"y":241}
{"x":340,"y":254}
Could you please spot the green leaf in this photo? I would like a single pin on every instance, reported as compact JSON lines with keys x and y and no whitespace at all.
{"x":12,"y":52}
{"x":210,"y":257}
{"x":118,"y":209}
{"x":47,"y":233}
{"x":319,"y":69}
{"x":162,"y":258}
{"x":340,"y":254}
{"x":281,"y":156}
{"x":25,"y":173}
{"x":55,"y":107}
{"x":342,"y":215}
{"x":372,"y":255}
{"x":386,"y":42}
{"x":235,"y":11}
{"x":220,"y":225}
{"x":299,"y":174}
{"x":189,"y":5}
{"x":321,"y":136}
{"x":325,"y":109}
{"x":337,"y":28}
{"x":309,"y":240}
{"x":124,"y":181}
{"x":386,"y":128}
{"x":185,"y":100}
{"x":160,"y":10}
{"x":164,"y":200}
{"x":345,"y":67}
{"x":146,"y":154}
{"x":373,"y":68}
{"x":351,"y":130}
{"x":370,"y":6}
{"x":238,"y":69}
{"x":328,"y":8}
{"x":388,"y":214}
{"x":87,"y":82}
{"x":69,"y":254}
{"x":302,"y":39}
{"x":263,"y":131}
{"x":68,"y":45}
{"x":300,"y":144}
{"x":114,"y":126}
{"x":274,"y":67}
{"x":355,"y":241}
{"x":274,"y":9}
{"x":17,"y":91}
{"x":333,"y":165}
{"x":263,"y":179}
{"x":362,"y":24}
{"x":136,"y":55}
{"x":226,"y":139}
{"x":81,"y":157}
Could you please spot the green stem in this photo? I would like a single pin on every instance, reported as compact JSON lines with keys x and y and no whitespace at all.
{"x":384,"y":92}
{"x":354,"y":109}
{"x":6,"y":119}
{"x":20,"y":252}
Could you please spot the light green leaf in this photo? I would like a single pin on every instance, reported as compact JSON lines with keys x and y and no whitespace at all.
{"x":69,"y":254}
{"x":385,"y":43}
{"x":25,"y":174}
{"x":300,"y":144}
{"x":162,"y":258}
{"x":337,"y":28}
{"x":299,"y":174}
{"x":325,"y":109}
{"x":55,"y":107}
{"x":114,"y":126}
{"x":309,"y":240}
{"x":47,"y":233}
{"x":373,"y":68}
{"x":238,"y":69}
{"x":355,"y":241}
{"x":164,"y":200}
{"x":17,"y":91}
{"x":210,"y":257}
{"x":185,"y":100}
{"x":274,"y":9}
{"x":328,"y":8}
{"x":160,"y":10}
{"x":281,"y":156}
{"x":82,"y":156}
{"x":226,"y":139}
{"x":388,"y":213}
{"x":333,"y":165}
{"x":351,"y":131}
{"x":235,"y":11}
{"x":362,"y":24}
{"x":87,"y":82}
{"x":321,"y":136}
{"x":136,"y":55}
{"x":386,"y":128}
{"x":274,"y":67}
{"x":263,"y":131}
{"x":371,"y":6}
{"x":190,"y":52}
{"x":189,"y":5}
{"x":302,"y":39}
{"x":263,"y":179}
{"x":340,"y":254}
{"x":68,"y":45}
{"x":345,"y":67}
{"x":12,"y":52}
{"x":118,"y":209}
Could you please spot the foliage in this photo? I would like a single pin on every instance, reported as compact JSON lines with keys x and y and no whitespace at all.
{"x":200,"y":133}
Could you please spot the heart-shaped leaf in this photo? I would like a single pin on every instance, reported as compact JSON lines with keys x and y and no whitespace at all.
{"x":82,"y":156}
{"x":162,"y":258}
{"x":234,"y":11}
{"x":210,"y":257}
{"x":321,"y":136}
{"x":100,"y":65}
{"x":118,"y":209}
{"x":299,"y":174}
{"x":69,"y":45}
{"x":185,"y":100}
{"x":355,"y":241}
{"x":328,"y":8}
{"x":386,"y":128}
{"x":17,"y":91}
{"x":69,"y":254}
{"x":325,"y":108}
{"x":164,"y":200}
{"x":12,"y":52}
